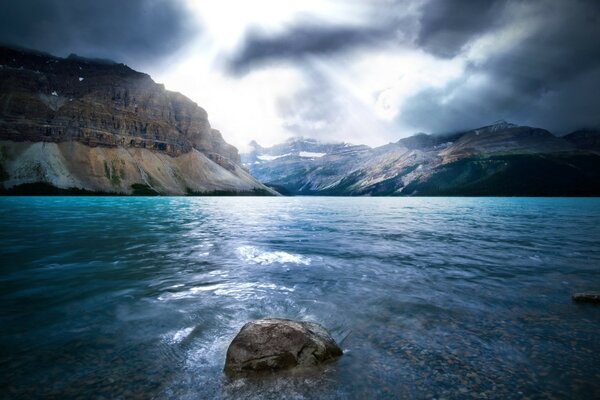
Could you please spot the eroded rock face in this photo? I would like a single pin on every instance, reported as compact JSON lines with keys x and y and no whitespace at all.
{"x":279,"y":344}
{"x":118,"y":170}
{"x":99,"y":126}
{"x":99,"y":103}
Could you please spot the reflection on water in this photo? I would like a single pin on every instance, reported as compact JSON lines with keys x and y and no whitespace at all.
{"x":429,"y":297}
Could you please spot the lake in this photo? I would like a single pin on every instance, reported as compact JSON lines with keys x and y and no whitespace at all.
{"x":139,"y":297}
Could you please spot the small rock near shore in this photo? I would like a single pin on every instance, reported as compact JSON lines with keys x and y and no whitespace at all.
{"x":593,"y":298}
{"x":279,"y":344}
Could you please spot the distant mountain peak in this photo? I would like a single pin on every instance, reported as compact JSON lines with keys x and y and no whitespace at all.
{"x":500,"y":124}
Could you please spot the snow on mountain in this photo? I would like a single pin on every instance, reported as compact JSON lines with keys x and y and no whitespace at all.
{"x":498,"y":159}
{"x":310,"y":154}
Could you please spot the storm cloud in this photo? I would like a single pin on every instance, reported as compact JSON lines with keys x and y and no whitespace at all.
{"x":447,"y":25}
{"x":535,"y":62}
{"x":301,"y":41}
{"x":441,"y":27}
{"x":130,"y":31}
{"x":550,"y":77}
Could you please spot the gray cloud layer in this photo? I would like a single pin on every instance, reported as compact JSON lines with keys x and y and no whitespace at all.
{"x":447,"y":25}
{"x":441,"y":28}
{"x":128,"y":31}
{"x":300,"y":41}
{"x":550,"y":79}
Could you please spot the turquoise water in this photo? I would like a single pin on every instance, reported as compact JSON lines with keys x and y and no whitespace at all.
{"x":429,"y":297}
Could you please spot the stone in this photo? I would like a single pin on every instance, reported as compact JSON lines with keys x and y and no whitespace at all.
{"x":275,"y":344}
{"x":591,"y":297}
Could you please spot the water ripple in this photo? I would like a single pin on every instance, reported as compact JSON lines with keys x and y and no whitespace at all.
{"x":432,"y":297}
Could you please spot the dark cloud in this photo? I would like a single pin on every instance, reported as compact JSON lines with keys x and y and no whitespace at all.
{"x":129,"y":31}
{"x":447,"y":25}
{"x":441,"y":27}
{"x":549,"y":79}
{"x":301,"y":40}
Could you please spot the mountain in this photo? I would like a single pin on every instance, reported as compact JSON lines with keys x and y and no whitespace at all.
{"x":501,"y":159}
{"x":587,"y":139}
{"x":77,"y":125}
{"x":302,"y":166}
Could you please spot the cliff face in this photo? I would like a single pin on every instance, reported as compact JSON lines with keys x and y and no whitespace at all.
{"x":122,"y":113}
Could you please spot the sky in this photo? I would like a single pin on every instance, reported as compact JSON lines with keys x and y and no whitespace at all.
{"x":358,"y":71}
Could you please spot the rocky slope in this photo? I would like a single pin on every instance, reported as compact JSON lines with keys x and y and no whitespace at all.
{"x":99,"y":126}
{"x":497,"y":160}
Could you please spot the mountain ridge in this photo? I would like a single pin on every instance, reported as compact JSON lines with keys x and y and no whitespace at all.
{"x":497,"y":159}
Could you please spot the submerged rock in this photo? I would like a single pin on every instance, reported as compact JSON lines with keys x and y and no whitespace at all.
{"x":593,"y":298}
{"x":278,"y":344}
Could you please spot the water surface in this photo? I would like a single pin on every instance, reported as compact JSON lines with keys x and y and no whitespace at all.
{"x":429,"y":297}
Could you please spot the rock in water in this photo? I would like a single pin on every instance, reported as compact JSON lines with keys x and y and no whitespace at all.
{"x":276,"y":344}
{"x":593,"y":298}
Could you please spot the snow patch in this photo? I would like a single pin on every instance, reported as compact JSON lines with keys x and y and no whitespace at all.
{"x":271,"y":158}
{"x":310,"y":154}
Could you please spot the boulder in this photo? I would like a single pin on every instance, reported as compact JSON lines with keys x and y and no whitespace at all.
{"x":593,"y":298}
{"x":279,"y":344}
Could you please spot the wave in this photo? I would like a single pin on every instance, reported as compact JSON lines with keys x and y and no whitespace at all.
{"x":241,"y":291}
{"x":175,"y":337}
{"x":255,"y":255}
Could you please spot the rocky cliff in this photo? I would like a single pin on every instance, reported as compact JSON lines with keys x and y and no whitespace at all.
{"x":95,"y":125}
{"x":501,"y":159}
